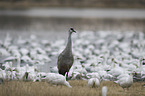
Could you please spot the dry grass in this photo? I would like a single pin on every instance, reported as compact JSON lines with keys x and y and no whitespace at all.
{"x":80,"y":88}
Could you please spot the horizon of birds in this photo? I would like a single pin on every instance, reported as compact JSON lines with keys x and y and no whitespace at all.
{"x":98,"y":56}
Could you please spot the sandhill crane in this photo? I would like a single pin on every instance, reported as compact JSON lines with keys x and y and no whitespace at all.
{"x":65,"y":59}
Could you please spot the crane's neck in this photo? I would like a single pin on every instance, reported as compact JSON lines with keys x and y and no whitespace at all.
{"x":69,"y":43}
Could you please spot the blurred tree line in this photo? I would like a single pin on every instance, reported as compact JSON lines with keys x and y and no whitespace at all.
{"x":127,"y":1}
{"x":85,"y":3}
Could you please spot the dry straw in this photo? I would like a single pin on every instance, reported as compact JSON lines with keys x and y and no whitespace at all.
{"x":79,"y":88}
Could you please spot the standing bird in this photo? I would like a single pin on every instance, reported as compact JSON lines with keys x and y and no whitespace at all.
{"x":65,"y":59}
{"x":125,"y":81}
{"x":94,"y":82}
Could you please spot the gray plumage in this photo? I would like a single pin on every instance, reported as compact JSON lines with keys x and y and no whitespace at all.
{"x":65,"y":59}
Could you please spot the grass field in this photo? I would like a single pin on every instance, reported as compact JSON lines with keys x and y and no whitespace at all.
{"x":79,"y":88}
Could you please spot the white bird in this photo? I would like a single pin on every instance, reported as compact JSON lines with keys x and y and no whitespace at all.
{"x":94,"y":82}
{"x":24,"y":51}
{"x":93,"y":75}
{"x":125,"y":81}
{"x":104,"y":91}
{"x":4,"y":52}
{"x":15,"y":53}
{"x":40,"y":77}
{"x":3,"y":74}
{"x":54,"y":69}
{"x":9,"y":70}
{"x":40,"y":50}
{"x":11,"y":58}
{"x":79,"y":68}
{"x":57,"y":79}
{"x":21,"y":40}
{"x":117,"y":70}
{"x":26,"y":59}
{"x":30,"y":72}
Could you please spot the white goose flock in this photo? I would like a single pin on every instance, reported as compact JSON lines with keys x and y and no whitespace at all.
{"x":101,"y":55}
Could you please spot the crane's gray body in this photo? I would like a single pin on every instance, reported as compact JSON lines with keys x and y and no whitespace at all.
{"x":65,"y":59}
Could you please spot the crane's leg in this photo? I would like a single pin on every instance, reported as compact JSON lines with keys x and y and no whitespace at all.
{"x":67,"y":75}
{"x":64,"y":73}
{"x":67,"y":78}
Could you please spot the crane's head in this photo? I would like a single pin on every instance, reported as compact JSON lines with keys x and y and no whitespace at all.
{"x":71,"y":30}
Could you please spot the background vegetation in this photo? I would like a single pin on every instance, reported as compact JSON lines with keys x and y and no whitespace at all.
{"x":73,"y":3}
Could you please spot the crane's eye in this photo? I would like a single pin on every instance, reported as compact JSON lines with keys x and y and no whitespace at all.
{"x":71,"y":29}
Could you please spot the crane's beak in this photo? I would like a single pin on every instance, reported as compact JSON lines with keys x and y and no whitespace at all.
{"x":74,"y":31}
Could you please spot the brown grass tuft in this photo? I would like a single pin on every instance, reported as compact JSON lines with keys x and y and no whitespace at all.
{"x":79,"y":88}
